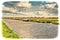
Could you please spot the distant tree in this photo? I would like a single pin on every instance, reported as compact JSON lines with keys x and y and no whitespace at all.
{"x":56,"y":6}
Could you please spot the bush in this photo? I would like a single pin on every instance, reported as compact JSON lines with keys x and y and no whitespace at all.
{"x":48,"y":21}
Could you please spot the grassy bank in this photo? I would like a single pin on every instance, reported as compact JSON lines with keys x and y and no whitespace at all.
{"x":7,"y":33}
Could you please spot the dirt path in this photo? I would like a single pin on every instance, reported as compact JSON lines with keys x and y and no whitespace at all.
{"x":32,"y":29}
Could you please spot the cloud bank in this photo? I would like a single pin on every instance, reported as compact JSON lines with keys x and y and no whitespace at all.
{"x":26,"y":9}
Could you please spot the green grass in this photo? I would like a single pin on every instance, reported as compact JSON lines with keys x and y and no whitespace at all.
{"x":53,"y":20}
{"x":47,"y":21}
{"x":7,"y":33}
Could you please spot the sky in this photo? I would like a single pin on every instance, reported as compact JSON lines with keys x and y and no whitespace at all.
{"x":31,"y":8}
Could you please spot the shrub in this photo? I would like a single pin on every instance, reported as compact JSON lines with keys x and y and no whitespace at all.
{"x":48,"y":21}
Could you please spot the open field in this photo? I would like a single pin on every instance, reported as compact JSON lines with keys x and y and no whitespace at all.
{"x":53,"y":20}
{"x":7,"y":32}
{"x":30,"y":19}
{"x":32,"y":29}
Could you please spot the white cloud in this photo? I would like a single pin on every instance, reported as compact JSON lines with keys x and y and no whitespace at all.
{"x":8,"y":9}
{"x":24,"y":4}
{"x":50,"y":5}
{"x":42,"y":13}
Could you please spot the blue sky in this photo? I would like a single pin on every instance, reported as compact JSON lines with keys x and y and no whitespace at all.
{"x":35,"y":6}
{"x":32,"y":2}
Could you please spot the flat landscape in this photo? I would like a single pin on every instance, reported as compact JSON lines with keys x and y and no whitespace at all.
{"x":30,"y":19}
{"x":32,"y":29}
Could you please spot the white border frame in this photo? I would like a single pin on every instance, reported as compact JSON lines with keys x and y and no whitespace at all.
{"x":1,"y":38}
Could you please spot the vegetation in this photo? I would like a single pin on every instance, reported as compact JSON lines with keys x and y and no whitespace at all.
{"x":7,"y":32}
{"x":53,"y":20}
